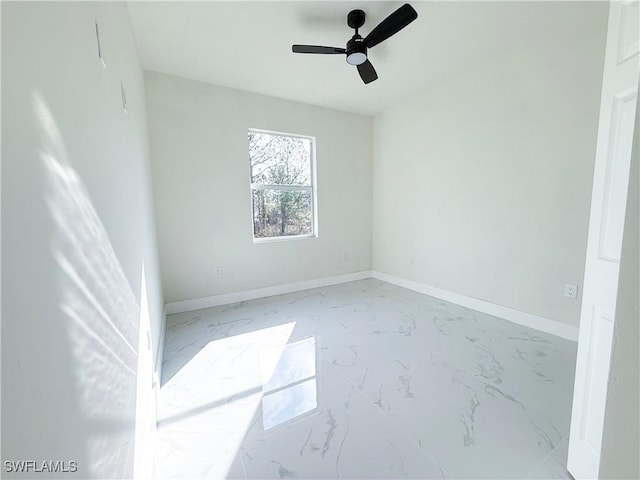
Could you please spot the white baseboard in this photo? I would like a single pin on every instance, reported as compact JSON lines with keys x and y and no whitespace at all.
{"x":530,"y":320}
{"x":536,"y":322}
{"x":215,"y":300}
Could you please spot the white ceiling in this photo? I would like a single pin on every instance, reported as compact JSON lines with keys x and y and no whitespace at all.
{"x":247,"y":45}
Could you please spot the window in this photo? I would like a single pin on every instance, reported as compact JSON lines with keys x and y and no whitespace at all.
{"x":282,"y":185}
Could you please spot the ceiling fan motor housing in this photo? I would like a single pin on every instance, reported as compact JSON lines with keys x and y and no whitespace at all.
{"x":356,"y":51}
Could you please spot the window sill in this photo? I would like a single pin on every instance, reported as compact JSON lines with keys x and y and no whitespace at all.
{"x":284,"y":239}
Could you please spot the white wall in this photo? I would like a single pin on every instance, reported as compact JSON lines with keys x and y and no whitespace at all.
{"x":77,"y":233}
{"x":621,"y":437}
{"x":200,"y":167}
{"x":481,"y":183}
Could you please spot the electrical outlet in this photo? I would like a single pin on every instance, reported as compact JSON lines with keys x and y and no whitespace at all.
{"x":570,"y":291}
{"x":218,"y":272}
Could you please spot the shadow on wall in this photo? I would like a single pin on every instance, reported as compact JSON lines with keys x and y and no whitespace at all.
{"x":98,"y":309}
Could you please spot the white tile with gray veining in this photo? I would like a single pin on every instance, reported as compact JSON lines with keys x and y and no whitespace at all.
{"x":553,"y":466}
{"x":361,"y":380}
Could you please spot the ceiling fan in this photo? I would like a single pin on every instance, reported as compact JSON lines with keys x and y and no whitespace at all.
{"x":357,"y":47}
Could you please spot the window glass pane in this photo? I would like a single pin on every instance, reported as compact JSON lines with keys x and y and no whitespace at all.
{"x":279,"y":160}
{"x":279,"y":213}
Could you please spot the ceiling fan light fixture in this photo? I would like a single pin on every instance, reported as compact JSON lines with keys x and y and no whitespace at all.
{"x":356,"y":51}
{"x":356,"y":58}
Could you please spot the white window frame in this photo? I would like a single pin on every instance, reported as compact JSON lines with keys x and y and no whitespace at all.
{"x":295,"y":188}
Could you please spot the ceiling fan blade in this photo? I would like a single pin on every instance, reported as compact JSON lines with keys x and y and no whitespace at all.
{"x":391,"y":25}
{"x":367,"y":72}
{"x":316,"y":49}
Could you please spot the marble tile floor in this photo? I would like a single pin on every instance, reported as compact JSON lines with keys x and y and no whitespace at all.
{"x":361,"y":380}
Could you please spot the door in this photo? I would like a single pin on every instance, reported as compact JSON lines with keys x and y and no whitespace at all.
{"x":606,"y":224}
